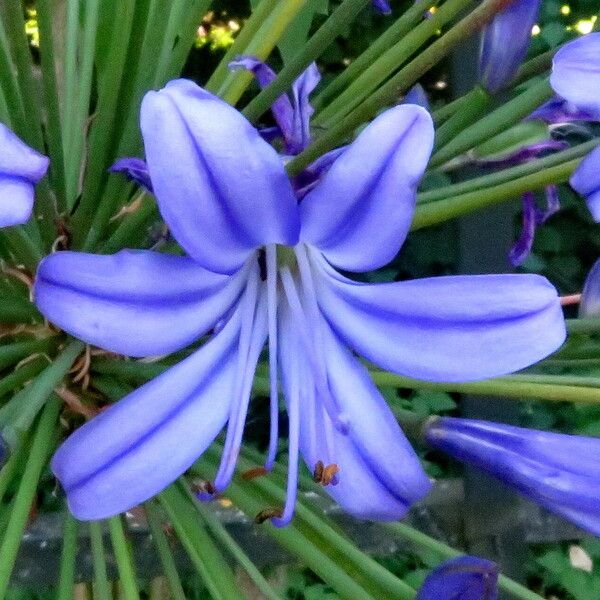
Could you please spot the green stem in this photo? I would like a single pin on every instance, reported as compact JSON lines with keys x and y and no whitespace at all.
{"x":17,"y":309}
{"x":399,"y":83}
{"x":536,"y":66}
{"x":123,"y":558}
{"x":584,"y":326}
{"x":261,"y":46}
{"x":22,"y":374}
{"x":66,"y":579}
{"x":13,"y":353}
{"x":389,"y":62}
{"x":22,"y":246}
{"x":339,"y":20}
{"x":499,"y":120}
{"x":101,"y":583}
{"x":401,"y":27}
{"x":165,"y":553}
{"x":516,"y":590}
{"x":433,"y":213}
{"x":40,"y":450}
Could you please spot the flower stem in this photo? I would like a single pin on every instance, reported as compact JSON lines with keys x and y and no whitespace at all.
{"x":42,"y":444}
{"x":516,"y":590}
{"x":343,"y":15}
{"x":584,"y":326}
{"x":399,"y":83}
{"x":66,"y":579}
{"x":101,"y":583}
{"x":123,"y":557}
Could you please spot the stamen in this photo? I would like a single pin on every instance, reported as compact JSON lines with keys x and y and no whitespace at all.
{"x":266,"y":514}
{"x":326,"y":475}
{"x":271,"y":266}
{"x":254,"y":473}
{"x":338,"y":419}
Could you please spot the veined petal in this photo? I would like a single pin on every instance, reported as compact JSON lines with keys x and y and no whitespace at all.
{"x":140,"y":445}
{"x":586,"y":181}
{"x":459,"y":328}
{"x":380,"y":475}
{"x":135,"y":302}
{"x":220,"y":187}
{"x":576,"y":72}
{"x":462,"y":578}
{"x":360,"y":212}
{"x":21,"y":167}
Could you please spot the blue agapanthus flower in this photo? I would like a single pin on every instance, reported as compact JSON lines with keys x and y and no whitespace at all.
{"x":262,"y":264}
{"x":586,"y":181}
{"x":558,"y":471}
{"x":21,"y":167}
{"x":589,"y":306}
{"x":462,"y":578}
{"x":505,"y":42}
{"x":382,"y":6}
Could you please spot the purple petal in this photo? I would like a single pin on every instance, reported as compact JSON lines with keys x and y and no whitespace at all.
{"x":135,"y":169}
{"x":382,"y":6}
{"x":21,"y":168}
{"x":558,"y":110}
{"x":380,"y":475}
{"x":369,"y":192}
{"x":303,"y":86}
{"x":538,"y":464}
{"x":462,"y":578}
{"x":590,"y":296}
{"x":523,"y":154}
{"x":445,"y":328}
{"x":576,"y":72}
{"x":138,"y":303}
{"x":522,"y":247}
{"x":138,"y":446}
{"x":586,"y":181}
{"x":417,"y":95}
{"x":282,"y":107}
{"x":220,"y":187}
{"x":505,"y":42}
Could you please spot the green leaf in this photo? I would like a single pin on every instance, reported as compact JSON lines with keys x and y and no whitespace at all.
{"x":297,"y":33}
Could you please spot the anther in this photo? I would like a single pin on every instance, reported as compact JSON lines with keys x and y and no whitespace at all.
{"x":254,"y":473}
{"x":268,"y":513}
{"x":325,"y":475}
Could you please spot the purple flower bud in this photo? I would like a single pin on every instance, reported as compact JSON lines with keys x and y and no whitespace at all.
{"x":576,"y":72}
{"x":21,"y":168}
{"x":590,"y":296}
{"x":586,"y":181}
{"x":135,"y":169}
{"x":417,"y":95}
{"x":382,"y":6}
{"x":558,"y":471}
{"x":505,"y":42}
{"x":462,"y":578}
{"x":558,"y":110}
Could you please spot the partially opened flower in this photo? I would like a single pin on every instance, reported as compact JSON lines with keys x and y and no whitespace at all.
{"x":382,"y":6}
{"x":589,"y":305}
{"x":586,"y":181}
{"x":263,"y":265}
{"x":21,"y":167}
{"x":505,"y":42}
{"x":558,"y":471}
{"x":462,"y":578}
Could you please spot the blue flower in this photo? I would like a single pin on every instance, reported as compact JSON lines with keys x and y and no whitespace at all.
{"x":505,"y":42}
{"x":263,"y":265}
{"x":586,"y":181}
{"x":558,"y":471}
{"x":21,"y":168}
{"x":462,"y":578}
{"x":589,"y":306}
{"x":382,"y":6}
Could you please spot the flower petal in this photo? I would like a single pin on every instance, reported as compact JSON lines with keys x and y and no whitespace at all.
{"x":380,"y":475}
{"x":586,"y":181}
{"x":220,"y":187}
{"x":140,"y":445}
{"x":590,"y":296}
{"x":135,"y":169}
{"x":369,"y":192}
{"x":445,"y":328}
{"x":136,"y":302}
{"x":576,"y":72}
{"x":462,"y":578}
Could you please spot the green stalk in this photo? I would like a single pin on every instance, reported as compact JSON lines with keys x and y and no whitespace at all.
{"x":401,"y":27}
{"x":17,"y":309}
{"x":22,"y":374}
{"x":500,"y":387}
{"x":101,"y":583}
{"x":66,"y":579}
{"x":15,"y":465}
{"x":399,"y":83}
{"x":165,"y":553}
{"x":70,"y":72}
{"x":10,"y":354}
{"x":505,"y":175}
{"x":389,"y":62}
{"x":433,"y":213}
{"x":535,"y":66}
{"x":476,"y":104}
{"x":499,"y":120}
{"x":445,"y":112}
{"x":16,"y":416}
{"x":516,"y":590}
{"x":22,"y":246}
{"x":261,"y":46}
{"x":11,"y":91}
{"x":339,"y":20}
{"x":43,"y":442}
{"x":123,"y":558}
{"x":259,"y":15}
{"x":222,"y":535}
{"x":584,"y":326}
